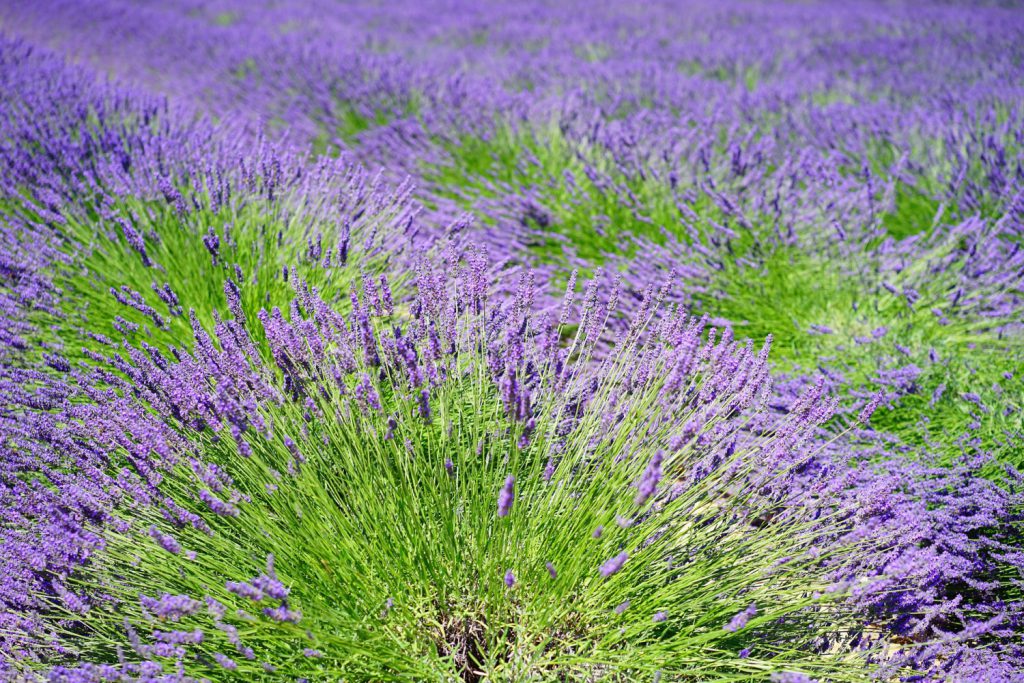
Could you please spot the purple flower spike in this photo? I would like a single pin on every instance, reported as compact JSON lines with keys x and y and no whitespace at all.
{"x":135,"y":241}
{"x":507,"y":496}
{"x":648,"y":483}
{"x":869,"y":409}
{"x":424,"y":401}
{"x":283,"y":614}
{"x":741,"y":619}
{"x":613,"y":565}
{"x":510,"y":578}
{"x":170,"y":607}
{"x":225,"y":661}
{"x":165,"y":541}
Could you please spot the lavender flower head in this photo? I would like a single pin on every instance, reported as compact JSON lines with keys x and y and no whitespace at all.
{"x":613,"y":565}
{"x":648,"y":483}
{"x":506,"y":496}
{"x":741,"y":619}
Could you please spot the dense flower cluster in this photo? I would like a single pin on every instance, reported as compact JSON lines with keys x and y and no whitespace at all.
{"x":491,"y":412}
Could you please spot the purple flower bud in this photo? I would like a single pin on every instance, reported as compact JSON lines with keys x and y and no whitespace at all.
{"x":166,"y":542}
{"x":179,"y":637}
{"x":741,"y":619}
{"x":510,"y":578}
{"x":424,"y":401}
{"x":244,"y":590}
{"x":972,"y":397}
{"x":869,"y":408}
{"x":271,"y":587}
{"x":172,"y":195}
{"x":283,"y":614}
{"x":135,"y":241}
{"x":217,"y":506}
{"x":212,"y":242}
{"x":225,"y":661}
{"x":648,"y":483}
{"x":790,"y":677}
{"x":388,"y":301}
{"x":613,"y":565}
{"x":366,"y":393}
{"x":551,"y":570}
{"x":507,"y":496}
{"x":549,"y":470}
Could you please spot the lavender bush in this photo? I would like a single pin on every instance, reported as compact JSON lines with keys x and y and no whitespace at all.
{"x":411,"y":342}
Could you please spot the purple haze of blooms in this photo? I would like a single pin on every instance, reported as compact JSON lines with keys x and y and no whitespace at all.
{"x":926,"y":541}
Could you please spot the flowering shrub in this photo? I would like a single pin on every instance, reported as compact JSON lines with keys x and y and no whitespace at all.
{"x":489,"y":411}
{"x":493,"y":454}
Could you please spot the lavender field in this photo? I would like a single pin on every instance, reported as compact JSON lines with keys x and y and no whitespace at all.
{"x":435,"y":340}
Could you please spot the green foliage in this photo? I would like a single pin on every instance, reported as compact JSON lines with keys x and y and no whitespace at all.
{"x":914,"y":213}
{"x":788,"y":293}
{"x":596,"y":214}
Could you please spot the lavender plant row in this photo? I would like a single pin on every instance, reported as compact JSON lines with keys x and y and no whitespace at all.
{"x":538,"y":341}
